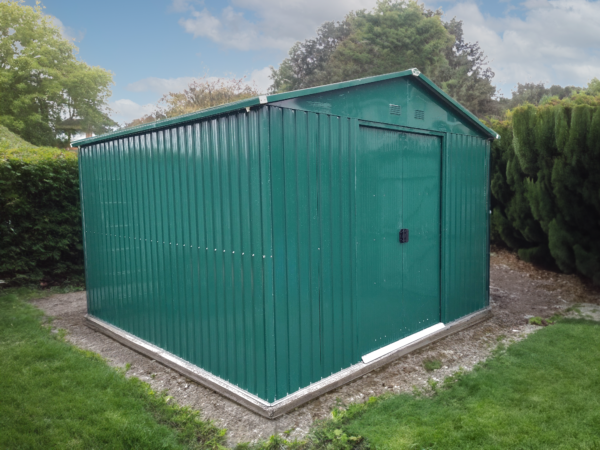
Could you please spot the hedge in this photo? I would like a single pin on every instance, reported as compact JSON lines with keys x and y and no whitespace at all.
{"x":546,"y":184}
{"x":40,"y":217}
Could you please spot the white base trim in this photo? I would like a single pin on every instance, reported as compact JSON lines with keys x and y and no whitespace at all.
{"x":402,"y":343}
{"x":291,"y":401}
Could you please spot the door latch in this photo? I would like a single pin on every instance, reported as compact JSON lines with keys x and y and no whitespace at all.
{"x":403,"y":235}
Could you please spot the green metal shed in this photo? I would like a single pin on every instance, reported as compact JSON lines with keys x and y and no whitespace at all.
{"x":275,"y":248}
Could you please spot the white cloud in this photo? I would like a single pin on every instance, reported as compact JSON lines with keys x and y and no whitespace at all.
{"x":183,"y":5}
{"x":261,"y":78}
{"x":556,"y":42}
{"x":126,"y":110}
{"x":160,"y":86}
{"x":68,"y":33}
{"x":278,"y":24}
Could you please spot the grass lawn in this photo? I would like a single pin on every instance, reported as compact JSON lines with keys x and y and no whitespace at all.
{"x":541,"y":393}
{"x":54,"y":395}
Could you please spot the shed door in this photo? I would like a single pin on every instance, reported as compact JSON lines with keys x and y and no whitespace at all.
{"x":398,"y":187}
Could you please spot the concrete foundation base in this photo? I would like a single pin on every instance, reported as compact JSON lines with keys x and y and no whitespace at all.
{"x":279,"y":407}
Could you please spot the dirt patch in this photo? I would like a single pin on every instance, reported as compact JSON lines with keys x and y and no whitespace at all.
{"x":518,"y":291}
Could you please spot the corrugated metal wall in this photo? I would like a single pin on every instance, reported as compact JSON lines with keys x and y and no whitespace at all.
{"x":231,"y":242}
{"x":184,"y":251}
{"x":465,"y":234}
{"x":313,"y":241}
{"x":179,"y":243}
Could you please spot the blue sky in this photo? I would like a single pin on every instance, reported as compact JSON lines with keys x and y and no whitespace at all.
{"x":154,"y":47}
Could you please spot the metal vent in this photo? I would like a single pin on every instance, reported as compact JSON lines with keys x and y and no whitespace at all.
{"x":419,"y":114}
{"x":395,"y":109}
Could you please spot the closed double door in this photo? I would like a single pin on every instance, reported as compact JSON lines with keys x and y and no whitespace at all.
{"x":397,"y":193}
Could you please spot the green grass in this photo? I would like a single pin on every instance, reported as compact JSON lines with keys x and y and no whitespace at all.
{"x":54,"y":395}
{"x":432,"y":364}
{"x":540,"y":393}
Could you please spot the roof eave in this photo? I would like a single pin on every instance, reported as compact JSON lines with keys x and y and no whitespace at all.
{"x":215,"y":111}
{"x":263,"y":99}
{"x":336,"y":86}
{"x":453,"y":103}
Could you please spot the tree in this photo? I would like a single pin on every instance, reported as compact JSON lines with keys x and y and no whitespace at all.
{"x":306,"y":64}
{"x":467,"y":77}
{"x":394,"y":36}
{"x":593,"y":87}
{"x":546,"y":183}
{"x":42,"y":83}
{"x":200,"y":94}
{"x":536,"y":94}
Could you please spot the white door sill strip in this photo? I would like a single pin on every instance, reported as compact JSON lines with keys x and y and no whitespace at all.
{"x":402,"y":343}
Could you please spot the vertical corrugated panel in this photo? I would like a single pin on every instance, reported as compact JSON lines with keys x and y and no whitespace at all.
{"x":162,"y":239}
{"x":465,"y":269}
{"x":312,"y":169}
{"x":178,"y":243}
{"x":314,"y":249}
{"x":105,"y":249}
{"x":264,"y":144}
{"x":325,"y":232}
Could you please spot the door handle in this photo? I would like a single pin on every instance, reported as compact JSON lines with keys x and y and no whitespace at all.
{"x":403,"y":235}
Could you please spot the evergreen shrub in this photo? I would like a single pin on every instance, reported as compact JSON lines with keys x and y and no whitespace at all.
{"x":545,"y":184}
{"x":40,"y":217}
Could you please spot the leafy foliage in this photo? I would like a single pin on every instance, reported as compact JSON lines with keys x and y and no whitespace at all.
{"x":593,"y":87}
{"x":40,"y":216}
{"x":42,"y":82}
{"x":394,"y":36}
{"x":200,"y":94}
{"x":467,"y":77}
{"x":8,"y":139}
{"x":546,"y":184}
{"x":537,"y":94}
{"x":324,"y":434}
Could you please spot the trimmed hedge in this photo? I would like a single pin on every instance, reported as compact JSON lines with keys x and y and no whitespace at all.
{"x":8,"y":139}
{"x":40,"y":217}
{"x":546,"y":184}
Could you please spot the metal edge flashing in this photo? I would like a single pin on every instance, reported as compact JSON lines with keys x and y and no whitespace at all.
{"x":286,"y":404}
{"x":166,"y":123}
{"x":454,"y":104}
{"x":264,"y":99}
{"x":335,"y":86}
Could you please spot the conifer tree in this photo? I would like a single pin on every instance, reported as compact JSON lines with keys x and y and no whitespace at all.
{"x":550,"y":162}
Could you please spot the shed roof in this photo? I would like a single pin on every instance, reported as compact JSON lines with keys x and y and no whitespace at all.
{"x":264,"y":99}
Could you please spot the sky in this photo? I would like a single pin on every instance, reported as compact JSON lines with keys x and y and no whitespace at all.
{"x":155,"y":47}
